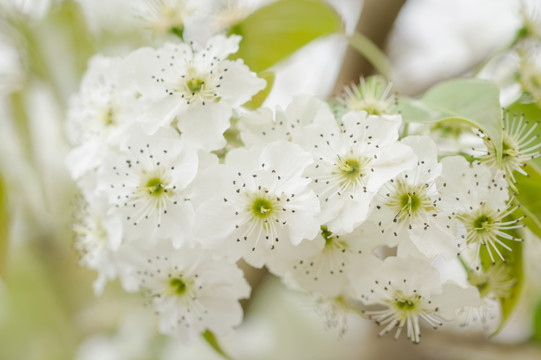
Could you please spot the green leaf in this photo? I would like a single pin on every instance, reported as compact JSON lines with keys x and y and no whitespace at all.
{"x":371,"y":52}
{"x":3,"y":227}
{"x":260,"y":97}
{"x":472,"y":101}
{"x":210,"y":338}
{"x":537,"y":322}
{"x":273,"y":32}
{"x":514,"y":265}
{"x":529,"y":188}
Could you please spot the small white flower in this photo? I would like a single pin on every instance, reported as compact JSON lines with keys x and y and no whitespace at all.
{"x":191,"y":290}
{"x":259,"y":205}
{"x":97,"y":238}
{"x":480,"y":201}
{"x":99,"y":113}
{"x":334,"y":312}
{"x":164,"y":16}
{"x":145,"y":183}
{"x":225,"y":14}
{"x":493,"y":284}
{"x":373,"y":95}
{"x":326,"y":270}
{"x":406,"y":207}
{"x":530,"y":12}
{"x":264,"y":126}
{"x":351,"y":163}
{"x":400,"y":292}
{"x":197,"y":88}
{"x":520,"y":145}
{"x":103,"y":104}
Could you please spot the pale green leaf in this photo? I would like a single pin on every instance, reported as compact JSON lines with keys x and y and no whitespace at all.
{"x":3,"y":228}
{"x":371,"y":52}
{"x":473,"y":101}
{"x":273,"y":32}
{"x":258,"y":99}
{"x":537,"y":322}
{"x":528,"y":190}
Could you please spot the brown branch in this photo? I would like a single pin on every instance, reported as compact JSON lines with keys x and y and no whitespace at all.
{"x":376,"y":21}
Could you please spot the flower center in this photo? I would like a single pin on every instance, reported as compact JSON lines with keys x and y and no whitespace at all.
{"x":109,"y":117}
{"x":177,"y":286}
{"x":350,"y":167}
{"x":262,"y":208}
{"x":327,"y":235}
{"x":483,"y":223}
{"x":195,"y":85}
{"x":351,"y":170}
{"x":510,"y":147}
{"x":410,"y":201}
{"x":406,"y":305}
{"x":333,"y":242}
{"x":496,"y":281}
{"x":155,"y":186}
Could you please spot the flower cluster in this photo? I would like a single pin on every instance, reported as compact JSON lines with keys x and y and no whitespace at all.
{"x":336,"y":201}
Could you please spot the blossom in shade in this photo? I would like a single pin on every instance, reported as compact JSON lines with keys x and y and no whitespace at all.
{"x":326,"y":270}
{"x":191,"y":291}
{"x":401,"y":292}
{"x":99,"y":114}
{"x":97,"y":238}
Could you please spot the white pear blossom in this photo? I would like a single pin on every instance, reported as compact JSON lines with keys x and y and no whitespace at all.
{"x":327,"y":269}
{"x":530,"y":11}
{"x":520,"y":145}
{"x":406,"y":207}
{"x":224,"y":14}
{"x":99,"y":113}
{"x":191,"y":291}
{"x":493,"y":284}
{"x":145,"y":182}
{"x":480,"y":201}
{"x":259,"y":204}
{"x":352,"y":161}
{"x":97,"y":239}
{"x":195,"y":88}
{"x":164,"y":16}
{"x":334,"y":312}
{"x":265,"y":126}
{"x":372,"y":94}
{"x":400,"y":292}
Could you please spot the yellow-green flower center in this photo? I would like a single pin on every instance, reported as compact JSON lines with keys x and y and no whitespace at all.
{"x":177,"y":286}
{"x":262,"y":208}
{"x":109,"y":117}
{"x":195,"y":85}
{"x":410,"y":201}
{"x":155,"y":186}
{"x":406,"y":305}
